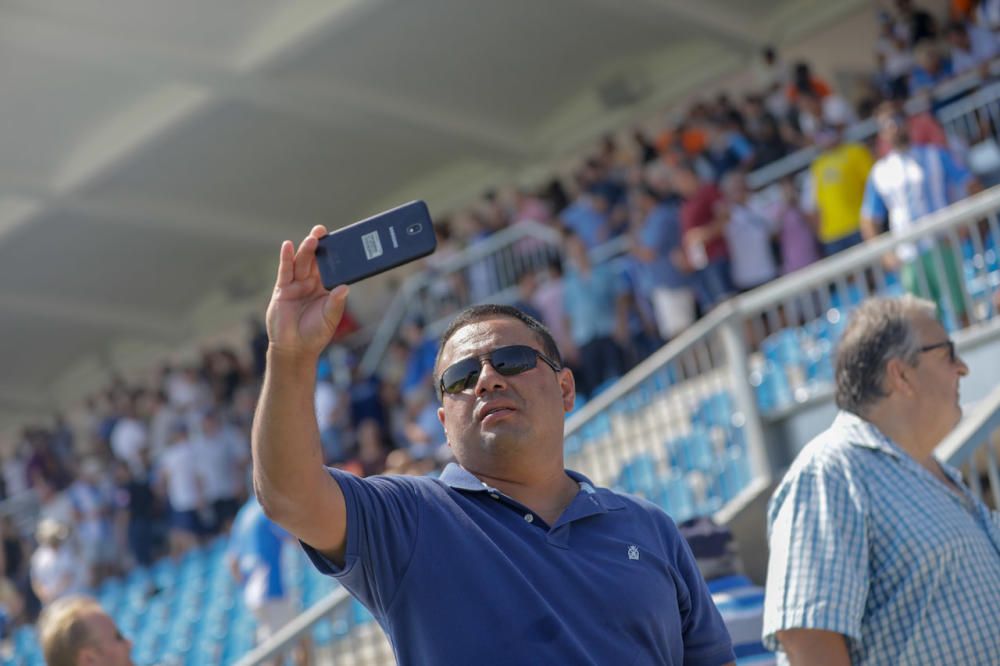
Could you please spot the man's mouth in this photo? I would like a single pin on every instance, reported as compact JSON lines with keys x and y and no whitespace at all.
{"x":494,"y":411}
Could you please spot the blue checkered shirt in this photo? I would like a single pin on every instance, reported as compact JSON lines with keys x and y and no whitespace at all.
{"x":867,"y":543}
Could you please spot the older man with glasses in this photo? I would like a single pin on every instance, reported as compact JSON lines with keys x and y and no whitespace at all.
{"x":879,"y":552}
{"x":507,"y":558}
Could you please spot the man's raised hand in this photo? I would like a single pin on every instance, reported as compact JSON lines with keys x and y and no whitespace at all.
{"x":302,"y":315}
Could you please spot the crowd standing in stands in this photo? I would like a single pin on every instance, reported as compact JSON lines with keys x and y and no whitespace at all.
{"x":675,"y":193}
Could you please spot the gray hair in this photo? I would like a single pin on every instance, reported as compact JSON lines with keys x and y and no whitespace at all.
{"x":880,"y":330}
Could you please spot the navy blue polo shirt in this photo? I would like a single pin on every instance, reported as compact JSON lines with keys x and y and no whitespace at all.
{"x":454,"y":570}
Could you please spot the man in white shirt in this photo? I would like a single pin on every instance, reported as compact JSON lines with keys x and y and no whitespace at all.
{"x":55,"y":568}
{"x":179,"y":479}
{"x":224,"y":465}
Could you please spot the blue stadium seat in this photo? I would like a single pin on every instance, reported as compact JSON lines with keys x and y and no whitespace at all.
{"x":673,"y":495}
{"x":639,"y":476}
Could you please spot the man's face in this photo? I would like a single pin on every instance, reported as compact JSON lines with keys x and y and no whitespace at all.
{"x":892,"y":128}
{"x":500,"y":417}
{"x":107,"y":647}
{"x":937,"y":379}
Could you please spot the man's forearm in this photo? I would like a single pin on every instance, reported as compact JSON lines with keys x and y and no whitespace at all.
{"x":286,"y":448}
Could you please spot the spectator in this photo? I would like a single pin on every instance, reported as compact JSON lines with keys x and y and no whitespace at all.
{"x":130,"y":435}
{"x":89,"y":495}
{"x":588,"y":216}
{"x":540,"y":532}
{"x":76,"y":632}
{"x":932,"y":68}
{"x":422,"y":351}
{"x":703,"y":238}
{"x":904,"y":186}
{"x":834,"y":188}
{"x":224,"y":464}
{"x":804,"y":81}
{"x":55,"y":569}
{"x":596,"y":316}
{"x":181,"y":481}
{"x":869,"y":533}
{"x":663,"y":263}
{"x":799,"y":246}
{"x":135,"y":512}
{"x":423,"y":431}
{"x":971,"y":46}
{"x":550,"y":300}
{"x":749,"y":234}
{"x":527,"y":286}
{"x":372,"y":450}
{"x":255,"y":560}
{"x":770,"y":144}
{"x":914,"y":24}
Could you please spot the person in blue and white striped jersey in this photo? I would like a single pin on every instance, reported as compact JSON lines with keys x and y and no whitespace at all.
{"x":903,"y":187}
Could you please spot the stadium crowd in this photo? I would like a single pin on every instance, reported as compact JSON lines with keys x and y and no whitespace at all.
{"x":152,"y":470}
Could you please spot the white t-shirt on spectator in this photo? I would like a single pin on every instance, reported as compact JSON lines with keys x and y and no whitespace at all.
{"x":58,"y":508}
{"x":749,"y":237}
{"x":983,"y":45}
{"x":222,"y":461}
{"x":181,"y":466}
{"x":326,"y":402}
{"x":15,"y":475}
{"x":128,"y":439}
{"x":183,"y":392}
{"x":57,"y":571}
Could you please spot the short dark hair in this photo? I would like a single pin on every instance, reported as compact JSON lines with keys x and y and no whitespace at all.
{"x":476,"y":313}
{"x":880,"y":330}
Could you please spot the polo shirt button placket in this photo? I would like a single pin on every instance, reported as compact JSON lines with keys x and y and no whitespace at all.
{"x":529,"y":518}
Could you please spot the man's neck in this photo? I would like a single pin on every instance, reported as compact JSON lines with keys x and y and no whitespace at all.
{"x":547,"y":493}
{"x":906,"y":433}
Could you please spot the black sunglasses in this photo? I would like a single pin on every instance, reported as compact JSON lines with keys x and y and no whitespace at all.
{"x":508,"y":361}
{"x":938,"y":345}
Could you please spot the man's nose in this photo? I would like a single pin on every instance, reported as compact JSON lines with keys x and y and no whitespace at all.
{"x":489,"y":379}
{"x":963,"y":369}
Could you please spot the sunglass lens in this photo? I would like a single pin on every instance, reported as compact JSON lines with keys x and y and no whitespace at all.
{"x":513,"y":360}
{"x":459,"y":376}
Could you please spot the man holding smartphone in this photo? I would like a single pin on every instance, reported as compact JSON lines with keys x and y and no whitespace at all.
{"x":507,"y":558}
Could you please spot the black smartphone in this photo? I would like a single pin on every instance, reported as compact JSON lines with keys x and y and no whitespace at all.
{"x":360,"y":250}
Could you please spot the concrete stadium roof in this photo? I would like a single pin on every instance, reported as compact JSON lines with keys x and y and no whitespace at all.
{"x":154,"y":153}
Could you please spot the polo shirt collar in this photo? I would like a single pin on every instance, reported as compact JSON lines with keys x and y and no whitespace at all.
{"x":457,"y":477}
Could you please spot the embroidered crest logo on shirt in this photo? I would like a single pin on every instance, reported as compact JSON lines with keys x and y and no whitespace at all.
{"x":633,"y":552}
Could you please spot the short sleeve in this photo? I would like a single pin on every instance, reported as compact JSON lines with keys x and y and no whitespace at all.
{"x":817,"y":574}
{"x":872,"y":205}
{"x":706,"y":639}
{"x":383,"y":518}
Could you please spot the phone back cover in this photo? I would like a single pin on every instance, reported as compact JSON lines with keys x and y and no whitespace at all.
{"x":376,"y":244}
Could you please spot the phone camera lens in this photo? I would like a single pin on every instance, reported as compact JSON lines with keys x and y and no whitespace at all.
{"x":413,"y":229}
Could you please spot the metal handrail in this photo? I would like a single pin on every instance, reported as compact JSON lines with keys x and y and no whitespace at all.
{"x":802,"y":158}
{"x":822,"y":272}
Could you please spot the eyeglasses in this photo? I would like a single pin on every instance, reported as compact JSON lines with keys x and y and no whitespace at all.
{"x":508,"y":361}
{"x":938,"y":345}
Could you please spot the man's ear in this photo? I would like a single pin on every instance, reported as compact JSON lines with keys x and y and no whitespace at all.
{"x":568,"y":385}
{"x":899,"y":378}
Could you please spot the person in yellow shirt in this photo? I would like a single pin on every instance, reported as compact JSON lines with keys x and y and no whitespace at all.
{"x":834,"y":189}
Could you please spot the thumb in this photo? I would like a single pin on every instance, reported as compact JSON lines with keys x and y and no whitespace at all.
{"x":333,"y":307}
